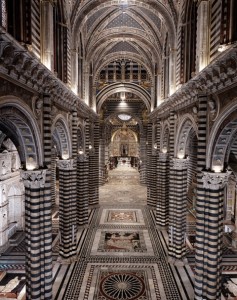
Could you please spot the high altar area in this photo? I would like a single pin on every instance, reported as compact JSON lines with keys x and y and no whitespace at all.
{"x":124,"y":143}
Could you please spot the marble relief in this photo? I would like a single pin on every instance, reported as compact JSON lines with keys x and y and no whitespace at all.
{"x":122,"y":241}
{"x":119,"y":216}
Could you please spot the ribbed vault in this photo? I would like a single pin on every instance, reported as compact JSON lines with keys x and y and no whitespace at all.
{"x":122,"y":45}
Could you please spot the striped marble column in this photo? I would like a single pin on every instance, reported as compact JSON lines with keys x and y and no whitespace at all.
{"x":38,"y":247}
{"x":162,"y":205}
{"x":171,"y":134}
{"x":177,"y":208}
{"x":67,"y":210}
{"x":82,"y":189}
{"x":74,"y":136}
{"x":74,"y":214}
{"x":102,"y":161}
{"x":143,"y":161}
{"x":53,"y":176}
{"x":162,"y":183}
{"x":201,"y":164}
{"x":94,"y":168}
{"x":209,"y":237}
{"x":148,"y":156}
{"x":46,"y":233}
{"x":171,"y":146}
{"x":83,"y":180}
{"x":151,"y":168}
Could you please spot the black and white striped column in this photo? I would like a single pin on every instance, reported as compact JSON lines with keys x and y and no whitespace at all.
{"x":102,"y":161}
{"x":74,"y":136}
{"x":67,"y":210}
{"x":143,"y":160}
{"x":151,"y":166}
{"x":201,"y":164}
{"x":172,"y":122}
{"x":46,"y":232}
{"x":83,"y":179}
{"x":162,"y":173}
{"x":53,"y":176}
{"x":177,"y":208}
{"x":209,"y":236}
{"x":38,"y":245}
{"x":82,"y":189}
{"x":94,"y":167}
{"x":162,"y":205}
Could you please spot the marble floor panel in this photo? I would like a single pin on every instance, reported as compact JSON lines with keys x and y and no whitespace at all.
{"x":121,"y":253}
{"x":122,"y":216}
{"x":122,"y":242}
{"x":109,"y":281}
{"x":133,"y":265}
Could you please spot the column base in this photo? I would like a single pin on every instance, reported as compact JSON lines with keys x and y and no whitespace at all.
{"x":82,"y":226}
{"x":67,"y":261}
{"x":93,"y":206}
{"x":165,"y":227}
{"x":177,"y":262}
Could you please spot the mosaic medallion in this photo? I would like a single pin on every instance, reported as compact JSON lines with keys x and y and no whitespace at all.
{"x":122,"y":241}
{"x":122,"y":285}
{"x":120,"y":216}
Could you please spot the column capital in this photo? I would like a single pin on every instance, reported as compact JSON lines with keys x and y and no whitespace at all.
{"x":34,"y":179}
{"x":163,"y":156}
{"x":215,"y":181}
{"x":65,"y":164}
{"x":82,"y":157}
{"x":180,"y":163}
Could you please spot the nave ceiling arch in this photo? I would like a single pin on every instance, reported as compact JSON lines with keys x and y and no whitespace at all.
{"x":108,"y":31}
{"x":123,"y":88}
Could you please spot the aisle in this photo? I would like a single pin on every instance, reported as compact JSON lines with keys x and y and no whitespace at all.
{"x":122,"y":255}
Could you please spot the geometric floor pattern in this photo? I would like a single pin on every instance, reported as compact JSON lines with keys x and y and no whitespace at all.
{"x":122,"y":255}
{"x":133,"y":266}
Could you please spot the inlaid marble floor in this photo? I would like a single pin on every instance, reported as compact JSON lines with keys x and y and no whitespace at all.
{"x":122,"y":255}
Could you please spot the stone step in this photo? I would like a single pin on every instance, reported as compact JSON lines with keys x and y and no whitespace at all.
{"x":16,"y":238}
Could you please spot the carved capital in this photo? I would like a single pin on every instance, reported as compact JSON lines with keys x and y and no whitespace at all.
{"x":180,"y":163}
{"x":65,"y":164}
{"x":82,"y":157}
{"x":34,"y":179}
{"x":215,"y":181}
{"x":163,"y":156}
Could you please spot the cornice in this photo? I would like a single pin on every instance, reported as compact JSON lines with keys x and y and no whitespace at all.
{"x":19,"y":66}
{"x":217,"y":76}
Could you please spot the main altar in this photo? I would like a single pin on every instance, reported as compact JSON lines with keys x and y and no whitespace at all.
{"x":124,"y":161}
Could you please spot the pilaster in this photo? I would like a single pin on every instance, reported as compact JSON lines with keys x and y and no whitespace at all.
{"x":172,"y":75}
{"x":202,"y":47}
{"x":47,"y":34}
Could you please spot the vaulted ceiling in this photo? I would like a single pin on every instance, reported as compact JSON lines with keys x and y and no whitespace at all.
{"x":116,"y":32}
